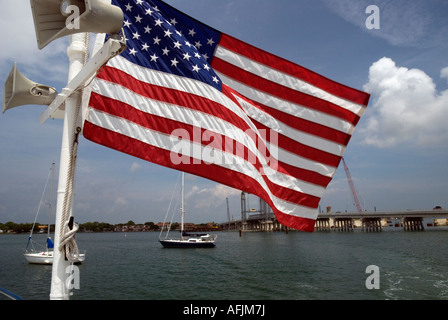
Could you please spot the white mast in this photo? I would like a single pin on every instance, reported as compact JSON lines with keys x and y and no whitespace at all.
{"x":76,"y":53}
{"x":80,"y":72}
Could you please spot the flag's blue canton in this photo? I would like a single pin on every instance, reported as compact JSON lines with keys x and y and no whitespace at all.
{"x":161,"y":38}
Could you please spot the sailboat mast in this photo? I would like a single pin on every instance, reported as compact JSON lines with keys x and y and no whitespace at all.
{"x":51,"y":202}
{"x":182,"y":211}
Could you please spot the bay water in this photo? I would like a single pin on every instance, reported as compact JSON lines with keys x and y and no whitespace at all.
{"x":253,"y":266}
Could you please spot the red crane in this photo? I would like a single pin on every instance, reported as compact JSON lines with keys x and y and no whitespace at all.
{"x":352,"y":187}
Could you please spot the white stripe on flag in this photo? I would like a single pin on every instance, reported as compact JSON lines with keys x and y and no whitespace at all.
{"x":284,"y":79}
{"x":290,"y":108}
{"x":301,"y":137}
{"x":206,"y":121}
{"x":190,"y":149}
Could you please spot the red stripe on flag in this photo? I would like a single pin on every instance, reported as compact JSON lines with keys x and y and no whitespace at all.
{"x":293,"y":69}
{"x":303,"y":150}
{"x":124,"y":111}
{"x":222,"y":175}
{"x":210,"y":107}
{"x":303,"y":174}
{"x":306,"y":125}
{"x":300,"y":124}
{"x":172,"y":96}
{"x":282,"y":92}
{"x":167,"y":127}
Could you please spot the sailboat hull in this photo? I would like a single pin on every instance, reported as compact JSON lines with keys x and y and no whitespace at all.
{"x":187,"y":244}
{"x":46,"y":257}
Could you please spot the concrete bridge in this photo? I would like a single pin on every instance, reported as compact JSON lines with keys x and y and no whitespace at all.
{"x":408,"y":220}
{"x":369,"y":221}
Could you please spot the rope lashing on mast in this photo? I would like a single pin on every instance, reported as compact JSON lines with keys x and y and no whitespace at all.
{"x":68,"y":242}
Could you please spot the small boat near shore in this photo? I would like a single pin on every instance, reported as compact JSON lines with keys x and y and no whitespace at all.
{"x":45,"y":255}
{"x":187,"y":240}
{"x":190,"y":241}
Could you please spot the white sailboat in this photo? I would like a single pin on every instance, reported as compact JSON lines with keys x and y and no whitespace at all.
{"x":44,"y":256}
{"x":187,"y":240}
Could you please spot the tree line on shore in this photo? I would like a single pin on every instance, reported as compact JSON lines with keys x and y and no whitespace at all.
{"x":12,"y":227}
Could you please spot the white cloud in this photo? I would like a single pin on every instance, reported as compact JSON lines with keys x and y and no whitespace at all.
{"x":135,"y":167}
{"x":444,"y":74}
{"x":209,"y":197}
{"x":121,"y":201}
{"x":221,"y":191}
{"x":405,"y":107}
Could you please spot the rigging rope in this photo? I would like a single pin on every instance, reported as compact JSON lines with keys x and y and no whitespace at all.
{"x":41,"y":201}
{"x":67,"y":241}
{"x":168,"y":210}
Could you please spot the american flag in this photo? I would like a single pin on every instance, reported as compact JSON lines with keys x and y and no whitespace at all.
{"x":186,"y":96}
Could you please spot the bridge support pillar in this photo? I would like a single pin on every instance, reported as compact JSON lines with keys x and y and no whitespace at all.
{"x":343,"y":224}
{"x":413,"y":223}
{"x":371,"y":224}
{"x":322,"y":224}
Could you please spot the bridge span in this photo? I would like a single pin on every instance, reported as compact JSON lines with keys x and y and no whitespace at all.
{"x":369,"y":221}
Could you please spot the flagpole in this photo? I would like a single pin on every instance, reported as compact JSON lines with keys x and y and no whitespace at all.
{"x":76,"y":53}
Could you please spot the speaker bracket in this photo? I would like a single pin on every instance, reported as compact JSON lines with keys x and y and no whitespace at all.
{"x":111,"y":48}
{"x":54,"y":19}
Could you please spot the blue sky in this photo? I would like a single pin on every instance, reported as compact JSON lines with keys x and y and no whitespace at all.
{"x":398,"y":156}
